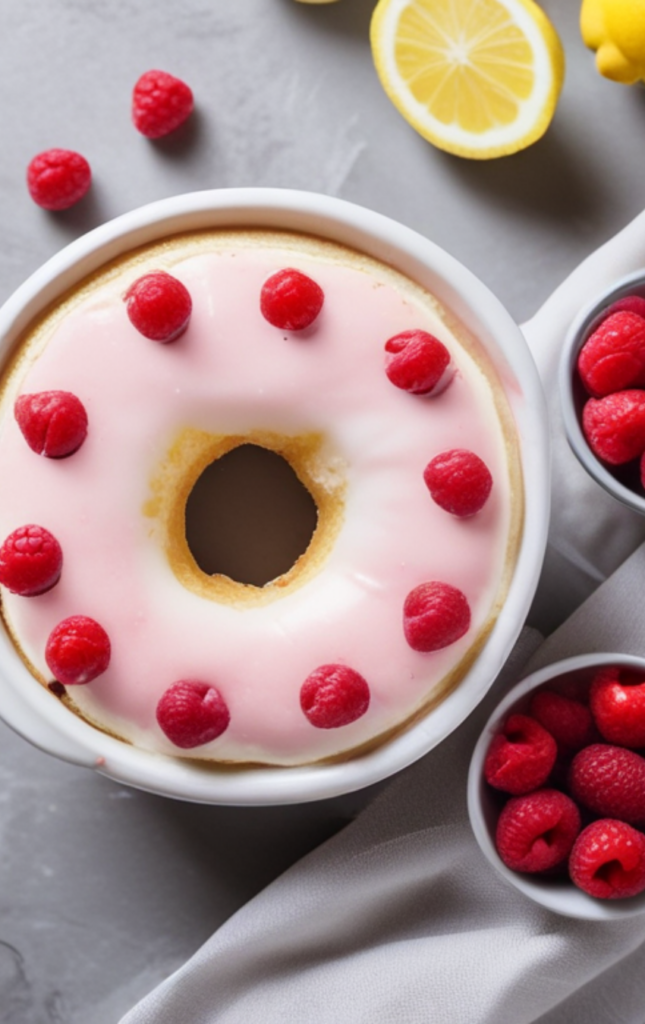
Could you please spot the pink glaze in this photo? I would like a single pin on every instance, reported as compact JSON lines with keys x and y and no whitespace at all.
{"x":233,"y":372}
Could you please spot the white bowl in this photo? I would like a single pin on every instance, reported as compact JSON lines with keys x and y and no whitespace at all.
{"x":44,"y":721}
{"x":617,"y":480}
{"x":562,"y":897}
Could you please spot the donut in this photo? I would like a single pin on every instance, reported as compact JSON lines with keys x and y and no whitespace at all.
{"x":392,"y":417}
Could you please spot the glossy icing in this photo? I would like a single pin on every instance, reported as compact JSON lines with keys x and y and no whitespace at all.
{"x":233,"y":373}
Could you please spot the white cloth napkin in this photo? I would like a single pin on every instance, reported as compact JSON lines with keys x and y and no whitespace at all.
{"x":399,"y":918}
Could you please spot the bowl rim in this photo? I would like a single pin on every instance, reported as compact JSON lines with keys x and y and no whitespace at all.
{"x":588,"y":318}
{"x":74,"y":740}
{"x":578,"y":904}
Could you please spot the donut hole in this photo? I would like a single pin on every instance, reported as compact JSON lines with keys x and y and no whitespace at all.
{"x":244,"y":519}
{"x":249,"y":516}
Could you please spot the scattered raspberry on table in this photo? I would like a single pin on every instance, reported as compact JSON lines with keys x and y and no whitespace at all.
{"x":58,"y":178}
{"x":160,"y":104}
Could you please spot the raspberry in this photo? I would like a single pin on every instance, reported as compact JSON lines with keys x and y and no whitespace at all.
{"x":77,"y":651}
{"x":618,"y":706}
{"x":191,"y":713}
{"x":613,"y":357}
{"x":290,"y":300}
{"x":535,"y":832}
{"x":334,"y":695}
{"x":159,"y":306}
{"x":521,"y":757}
{"x":160,"y":104}
{"x":575,"y":687}
{"x":608,"y":860}
{"x":631,"y":303}
{"x":459,"y":481}
{"x":569,"y":722}
{"x":30,"y":561}
{"x":417,"y":362}
{"x":58,"y":178}
{"x":610,"y":781}
{"x":53,"y":423}
{"x":435,"y":615}
{"x":614,"y":426}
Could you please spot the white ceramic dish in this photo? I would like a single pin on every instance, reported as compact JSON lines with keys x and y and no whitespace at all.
{"x":622,"y":482}
{"x":23,"y":703}
{"x":559,"y":896}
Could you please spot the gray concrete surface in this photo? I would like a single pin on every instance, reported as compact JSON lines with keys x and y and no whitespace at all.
{"x":103,"y":890}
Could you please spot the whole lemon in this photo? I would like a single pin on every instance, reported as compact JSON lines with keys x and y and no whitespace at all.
{"x":615,"y":29}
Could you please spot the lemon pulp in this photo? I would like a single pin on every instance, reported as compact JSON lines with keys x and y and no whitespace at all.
{"x":479,"y":78}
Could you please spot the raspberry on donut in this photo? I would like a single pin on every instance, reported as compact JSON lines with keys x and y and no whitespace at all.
{"x":53,"y":423}
{"x":536,"y":832}
{"x":78,"y":650}
{"x":333,"y":696}
{"x":192,"y":713}
{"x":160,"y":104}
{"x":613,"y":357}
{"x":58,"y":178}
{"x":608,"y":860}
{"x":435,"y":615}
{"x":31,"y":561}
{"x":417,"y":362}
{"x":159,"y":306}
{"x":521,"y":757}
{"x":614,"y":426}
{"x":459,"y":482}
{"x":291,"y":300}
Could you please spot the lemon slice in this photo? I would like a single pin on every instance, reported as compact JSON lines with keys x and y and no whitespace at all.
{"x":479,"y":78}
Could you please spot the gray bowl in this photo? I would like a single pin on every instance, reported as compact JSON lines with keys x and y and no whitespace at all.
{"x":622,"y":482}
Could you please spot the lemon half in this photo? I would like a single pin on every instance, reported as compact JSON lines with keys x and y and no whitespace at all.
{"x":479,"y":78}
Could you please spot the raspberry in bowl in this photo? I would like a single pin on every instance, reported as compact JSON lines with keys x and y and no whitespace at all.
{"x":602,"y":390}
{"x":556,"y":787}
